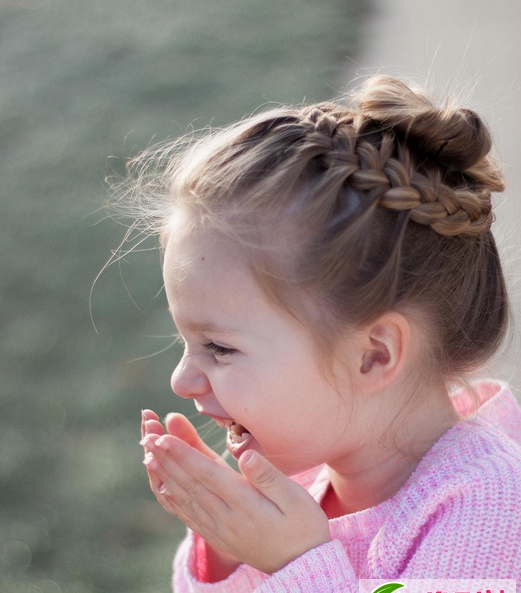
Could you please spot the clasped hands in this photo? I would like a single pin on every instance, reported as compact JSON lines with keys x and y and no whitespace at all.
{"x":259,"y":516}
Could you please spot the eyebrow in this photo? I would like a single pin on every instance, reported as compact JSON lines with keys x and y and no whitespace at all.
{"x":207,"y":326}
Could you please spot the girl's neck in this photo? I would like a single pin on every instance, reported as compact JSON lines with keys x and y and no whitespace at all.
{"x":379,"y":468}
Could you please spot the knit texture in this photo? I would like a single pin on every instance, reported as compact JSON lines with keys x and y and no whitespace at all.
{"x":457,"y":516}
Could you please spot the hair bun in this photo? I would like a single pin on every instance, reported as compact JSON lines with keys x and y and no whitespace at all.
{"x":456,"y":139}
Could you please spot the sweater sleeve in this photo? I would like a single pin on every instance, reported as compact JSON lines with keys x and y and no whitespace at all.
{"x":325,"y":569}
{"x":185,"y":580}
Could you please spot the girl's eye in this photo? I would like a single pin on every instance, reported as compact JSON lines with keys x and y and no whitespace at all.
{"x":219,"y":351}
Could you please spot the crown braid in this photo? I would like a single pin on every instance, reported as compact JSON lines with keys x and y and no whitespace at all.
{"x":390,"y":172}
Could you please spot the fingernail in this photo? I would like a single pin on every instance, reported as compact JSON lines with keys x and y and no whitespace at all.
{"x":151,"y":463}
{"x":163,"y":444}
{"x":148,"y":441}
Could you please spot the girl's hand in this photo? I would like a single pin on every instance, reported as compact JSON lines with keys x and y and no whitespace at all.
{"x":260,"y":517}
{"x":176,"y":425}
{"x":219,"y":564}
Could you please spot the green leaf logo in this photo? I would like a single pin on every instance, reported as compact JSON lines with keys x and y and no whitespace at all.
{"x":388,"y":588}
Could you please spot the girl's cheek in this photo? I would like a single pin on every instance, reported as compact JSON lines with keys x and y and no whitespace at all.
{"x":231,"y":391}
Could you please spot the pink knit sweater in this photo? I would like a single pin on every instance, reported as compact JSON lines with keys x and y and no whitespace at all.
{"x":457,"y":516}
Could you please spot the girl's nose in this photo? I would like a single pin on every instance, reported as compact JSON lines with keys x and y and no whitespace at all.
{"x":188,"y":381}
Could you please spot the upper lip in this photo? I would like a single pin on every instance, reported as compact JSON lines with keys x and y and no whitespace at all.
{"x":220,"y":420}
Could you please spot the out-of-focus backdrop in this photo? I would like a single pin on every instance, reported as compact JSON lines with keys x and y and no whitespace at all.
{"x":83,"y":86}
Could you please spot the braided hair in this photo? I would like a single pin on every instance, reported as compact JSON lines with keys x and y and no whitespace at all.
{"x":383,"y":204}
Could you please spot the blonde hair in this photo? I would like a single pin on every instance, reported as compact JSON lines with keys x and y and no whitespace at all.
{"x":348,"y":212}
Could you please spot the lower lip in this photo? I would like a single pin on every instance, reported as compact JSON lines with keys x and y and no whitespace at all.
{"x":238,"y":449}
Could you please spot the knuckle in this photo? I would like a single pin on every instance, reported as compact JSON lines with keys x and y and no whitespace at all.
{"x":193,"y":489}
{"x":209,"y":478}
{"x":266,"y":477}
{"x":191,"y":506}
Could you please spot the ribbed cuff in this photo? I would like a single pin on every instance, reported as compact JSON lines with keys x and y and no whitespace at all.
{"x":245,"y":578}
{"x":325,"y":569}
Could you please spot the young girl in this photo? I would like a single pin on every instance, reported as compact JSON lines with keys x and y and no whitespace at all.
{"x":333,"y":276}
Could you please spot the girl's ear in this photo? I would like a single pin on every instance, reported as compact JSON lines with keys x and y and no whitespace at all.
{"x":384,"y":349}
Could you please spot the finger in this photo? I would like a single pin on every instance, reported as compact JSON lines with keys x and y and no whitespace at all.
{"x":154,"y":427}
{"x":156,"y":484}
{"x":178,"y":425}
{"x":152,"y":430}
{"x":268,"y":480}
{"x":148,"y":441}
{"x":158,"y":487}
{"x":156,"y":473}
{"x":187,"y":497}
{"x":147,"y":415}
{"x":213,"y":475}
{"x":157,"y":477}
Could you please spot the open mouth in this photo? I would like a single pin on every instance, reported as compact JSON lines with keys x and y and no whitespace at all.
{"x":238,"y":438}
{"x":237,"y":434}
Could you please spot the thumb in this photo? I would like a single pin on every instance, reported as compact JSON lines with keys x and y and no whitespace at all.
{"x":268,"y":480}
{"x":179,"y":426}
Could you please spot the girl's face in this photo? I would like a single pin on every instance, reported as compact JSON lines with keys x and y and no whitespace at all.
{"x":248,"y":364}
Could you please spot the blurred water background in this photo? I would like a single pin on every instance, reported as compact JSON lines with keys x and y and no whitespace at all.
{"x":83,"y":86}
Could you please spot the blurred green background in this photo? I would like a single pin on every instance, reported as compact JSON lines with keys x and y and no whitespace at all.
{"x":83,"y":86}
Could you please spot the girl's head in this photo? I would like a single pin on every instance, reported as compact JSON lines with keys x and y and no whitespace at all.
{"x":346,"y":213}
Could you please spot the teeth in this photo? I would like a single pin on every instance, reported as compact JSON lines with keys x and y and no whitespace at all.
{"x":238,"y":434}
{"x":236,"y":429}
{"x":239,"y":438}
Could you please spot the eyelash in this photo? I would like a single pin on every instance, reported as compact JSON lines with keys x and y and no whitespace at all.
{"x":219,"y":350}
